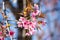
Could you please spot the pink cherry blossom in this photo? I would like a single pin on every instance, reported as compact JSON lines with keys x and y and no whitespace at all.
{"x":11,"y":33}
{"x":33,"y":26}
{"x":0,"y":32}
{"x":31,"y":31}
{"x":36,"y":6}
{"x":35,"y":13}
{"x":25,"y":25}
{"x":1,"y":38}
{"x":30,"y":23}
{"x":19,"y":24}
{"x":33,"y":19}
{"x":22,"y":19}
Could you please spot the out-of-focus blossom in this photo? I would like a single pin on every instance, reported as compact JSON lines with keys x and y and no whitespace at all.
{"x":33,"y":18}
{"x":3,"y":26}
{"x":31,"y":23}
{"x":1,"y":38}
{"x":32,"y":31}
{"x":36,"y":6}
{"x":35,"y":13}
{"x":0,"y":33}
{"x":11,"y":33}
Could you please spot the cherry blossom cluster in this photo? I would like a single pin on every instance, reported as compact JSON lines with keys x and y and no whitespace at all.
{"x":30,"y":24}
{"x":27,"y":24}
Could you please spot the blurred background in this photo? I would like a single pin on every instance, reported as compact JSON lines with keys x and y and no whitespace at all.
{"x":51,"y":8}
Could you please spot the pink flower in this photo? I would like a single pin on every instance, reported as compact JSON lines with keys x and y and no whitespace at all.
{"x":11,"y":33}
{"x":36,"y":6}
{"x":35,"y":13}
{"x":25,"y":25}
{"x":22,"y":19}
{"x":1,"y":38}
{"x":33,"y":26}
{"x":30,"y":23}
{"x":33,"y":19}
{"x":31,"y":31}
{"x":20,"y":24}
{"x":0,"y":32}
